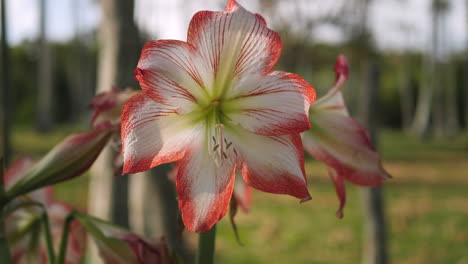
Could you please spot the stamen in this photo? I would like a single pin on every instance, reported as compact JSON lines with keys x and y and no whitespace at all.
{"x":221,"y":147}
{"x":219,"y":130}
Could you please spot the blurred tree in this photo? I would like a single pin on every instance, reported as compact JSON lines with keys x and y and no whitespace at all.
{"x":405,"y":74}
{"x":45,"y":95}
{"x":110,"y":197}
{"x":355,"y":15}
{"x":465,"y":105}
{"x":431,"y":81}
{"x":118,"y":55}
{"x":6,"y":110}
{"x":78,"y":68}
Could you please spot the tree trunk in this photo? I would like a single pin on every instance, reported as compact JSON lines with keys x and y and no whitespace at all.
{"x":6,"y":110}
{"x":422,"y":114}
{"x":375,"y":244}
{"x":452,"y":124}
{"x":406,"y":94}
{"x":118,"y":56}
{"x":45,"y":113}
{"x":78,"y":70}
{"x":466,"y":70}
{"x":430,"y":79}
{"x":117,"y":59}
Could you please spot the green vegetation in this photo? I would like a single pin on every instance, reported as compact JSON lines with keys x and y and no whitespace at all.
{"x":427,"y":208}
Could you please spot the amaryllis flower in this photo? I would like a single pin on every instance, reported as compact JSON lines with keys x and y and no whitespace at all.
{"x":118,"y":246}
{"x":341,"y":142}
{"x":24,"y":228}
{"x":212,"y":104}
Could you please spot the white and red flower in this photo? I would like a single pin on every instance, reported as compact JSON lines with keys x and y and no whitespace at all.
{"x":212,"y":104}
{"x":24,"y":228}
{"x":107,"y":108}
{"x":341,"y":142}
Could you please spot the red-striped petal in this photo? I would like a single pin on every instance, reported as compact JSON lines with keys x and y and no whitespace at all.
{"x":204,"y":188}
{"x":272,"y":164}
{"x":273,"y":105}
{"x":234,"y":43}
{"x":153,"y":134}
{"x":172,"y":73}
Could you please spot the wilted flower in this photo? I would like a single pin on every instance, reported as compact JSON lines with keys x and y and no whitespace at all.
{"x":212,"y":104}
{"x":25,"y":231}
{"x":73,"y":156}
{"x":341,"y":142}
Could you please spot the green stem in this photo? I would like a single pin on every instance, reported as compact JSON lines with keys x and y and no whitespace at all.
{"x":48,"y":237}
{"x":206,"y":247}
{"x":5,"y":255}
{"x":64,"y":240}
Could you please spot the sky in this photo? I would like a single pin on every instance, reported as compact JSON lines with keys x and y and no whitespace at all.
{"x":165,"y":19}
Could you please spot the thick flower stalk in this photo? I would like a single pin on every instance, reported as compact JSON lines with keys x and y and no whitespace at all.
{"x":341,"y":142}
{"x":25,"y":231}
{"x":212,"y":104}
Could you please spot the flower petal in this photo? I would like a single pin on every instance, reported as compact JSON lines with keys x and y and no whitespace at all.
{"x":340,"y":190}
{"x":234,"y":42}
{"x":204,"y":188}
{"x":242,"y":193}
{"x":107,"y":107}
{"x":153,"y":134}
{"x":172,"y":73}
{"x":343,"y":144}
{"x":272,"y":164}
{"x":272,"y":105}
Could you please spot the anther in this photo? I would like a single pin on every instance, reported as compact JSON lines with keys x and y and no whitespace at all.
{"x":215,"y":147}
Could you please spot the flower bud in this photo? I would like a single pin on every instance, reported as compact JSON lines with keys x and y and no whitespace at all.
{"x":73,"y":156}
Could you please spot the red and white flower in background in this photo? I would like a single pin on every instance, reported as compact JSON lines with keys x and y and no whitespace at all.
{"x":341,"y":142}
{"x":212,"y":104}
{"x":107,"y":108}
{"x":24,"y":228}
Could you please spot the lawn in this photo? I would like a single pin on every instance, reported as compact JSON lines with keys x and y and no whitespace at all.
{"x":426,"y":208}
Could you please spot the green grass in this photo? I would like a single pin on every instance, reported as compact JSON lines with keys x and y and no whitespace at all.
{"x":426,"y":206}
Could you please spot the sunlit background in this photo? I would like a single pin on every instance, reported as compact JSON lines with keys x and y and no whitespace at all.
{"x":415,"y":49}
